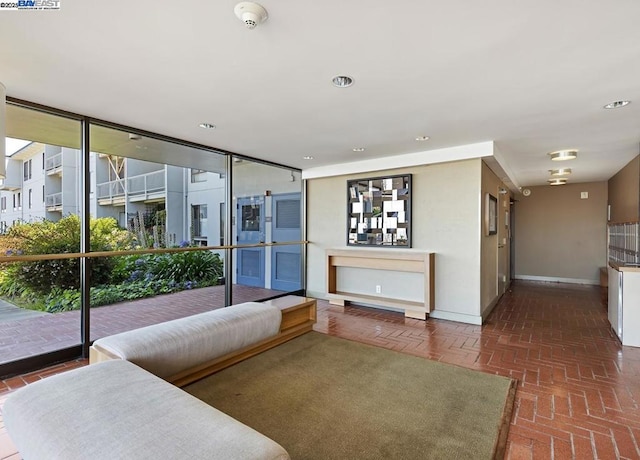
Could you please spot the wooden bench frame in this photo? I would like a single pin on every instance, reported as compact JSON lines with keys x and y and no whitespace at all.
{"x":299,"y":314}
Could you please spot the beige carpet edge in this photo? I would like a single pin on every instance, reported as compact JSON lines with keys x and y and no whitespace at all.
{"x":499,"y":449}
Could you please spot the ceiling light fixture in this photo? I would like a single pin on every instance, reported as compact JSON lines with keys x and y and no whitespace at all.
{"x":251,"y":14}
{"x":308,"y":157}
{"x":134,"y":137}
{"x":560,"y":172}
{"x":616,"y":104}
{"x":207,"y":126}
{"x":359,"y":149}
{"x":422,"y":138}
{"x":557,"y":181}
{"x":562,"y":155}
{"x":342,"y":81}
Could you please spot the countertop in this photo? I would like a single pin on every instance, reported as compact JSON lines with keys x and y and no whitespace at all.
{"x":622,"y":267}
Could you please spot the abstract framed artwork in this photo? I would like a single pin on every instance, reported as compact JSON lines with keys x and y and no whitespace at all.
{"x":491,"y":215}
{"x":379,"y":211}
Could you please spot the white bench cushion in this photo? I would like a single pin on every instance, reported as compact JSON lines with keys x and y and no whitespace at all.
{"x":116,"y":410}
{"x":168,"y":348}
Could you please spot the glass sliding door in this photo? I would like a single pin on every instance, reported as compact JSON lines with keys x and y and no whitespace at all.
{"x":267,"y":214}
{"x":156,"y":198}
{"x":39,"y":221}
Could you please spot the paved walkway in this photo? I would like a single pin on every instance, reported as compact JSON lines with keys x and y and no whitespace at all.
{"x":9,"y":312}
{"x":44,"y":332}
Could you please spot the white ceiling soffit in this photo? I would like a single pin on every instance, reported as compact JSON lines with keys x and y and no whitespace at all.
{"x":531,"y":76}
{"x":463,"y":152}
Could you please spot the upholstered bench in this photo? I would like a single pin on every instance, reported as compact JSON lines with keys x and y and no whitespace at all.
{"x":117,"y":410}
{"x":173,"y":348}
{"x":184,"y":350}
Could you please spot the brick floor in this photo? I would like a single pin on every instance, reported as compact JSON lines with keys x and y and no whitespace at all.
{"x":578,"y":390}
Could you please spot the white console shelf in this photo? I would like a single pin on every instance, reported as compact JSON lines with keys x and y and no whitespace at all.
{"x":388,"y":260}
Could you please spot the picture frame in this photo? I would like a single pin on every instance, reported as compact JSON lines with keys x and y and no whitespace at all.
{"x":491,"y":215}
{"x":379,"y":211}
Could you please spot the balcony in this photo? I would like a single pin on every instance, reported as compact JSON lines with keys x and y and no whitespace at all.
{"x":53,"y":165}
{"x":148,"y":187}
{"x":111,"y":193}
{"x":53,"y":202}
{"x":10,"y":184}
{"x":13,"y":179}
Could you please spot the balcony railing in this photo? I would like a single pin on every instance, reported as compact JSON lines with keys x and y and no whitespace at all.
{"x":147,"y":183}
{"x":52,"y":200}
{"x":53,"y":162}
{"x":111,"y":190}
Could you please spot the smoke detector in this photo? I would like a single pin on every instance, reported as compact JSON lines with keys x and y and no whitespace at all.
{"x":250,"y":13}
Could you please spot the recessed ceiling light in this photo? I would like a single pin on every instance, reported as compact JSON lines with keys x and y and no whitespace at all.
{"x":616,"y":104}
{"x":207,"y":126}
{"x":359,"y":149}
{"x":422,"y":138}
{"x":308,"y":157}
{"x":560,"y":172}
{"x":557,"y":181}
{"x":562,"y":155}
{"x":342,"y":81}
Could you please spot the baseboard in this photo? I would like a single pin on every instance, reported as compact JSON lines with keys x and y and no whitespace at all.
{"x":320,"y":295}
{"x":458,"y":317}
{"x":438,"y":314}
{"x":553,"y":279}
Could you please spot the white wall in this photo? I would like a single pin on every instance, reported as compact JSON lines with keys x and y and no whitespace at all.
{"x":210,"y":192}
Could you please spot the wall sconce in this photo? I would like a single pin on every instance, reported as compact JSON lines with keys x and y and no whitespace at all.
{"x":503,"y":191}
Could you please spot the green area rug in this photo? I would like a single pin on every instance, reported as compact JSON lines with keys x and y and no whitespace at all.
{"x":322,"y":397}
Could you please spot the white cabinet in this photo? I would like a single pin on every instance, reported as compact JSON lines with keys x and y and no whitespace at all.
{"x":624,"y":304}
{"x":615,"y":303}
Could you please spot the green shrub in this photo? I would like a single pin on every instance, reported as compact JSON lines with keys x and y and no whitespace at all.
{"x":60,"y":300}
{"x":183,"y":267}
{"x":47,"y":237}
{"x":53,"y":285}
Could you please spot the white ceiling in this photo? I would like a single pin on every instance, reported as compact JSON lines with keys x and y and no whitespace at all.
{"x":531,"y":76}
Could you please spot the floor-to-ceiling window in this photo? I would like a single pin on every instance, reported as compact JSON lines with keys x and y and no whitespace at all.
{"x":43,"y":156}
{"x":156,"y":195}
{"x":267,"y":215}
{"x":165,"y":234}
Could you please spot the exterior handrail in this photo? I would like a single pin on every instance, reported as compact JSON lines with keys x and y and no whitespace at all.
{"x":93,"y":255}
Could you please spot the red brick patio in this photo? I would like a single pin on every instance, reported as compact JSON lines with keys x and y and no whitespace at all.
{"x":41,"y":334}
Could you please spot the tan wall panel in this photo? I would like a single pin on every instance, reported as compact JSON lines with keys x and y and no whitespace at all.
{"x":445,"y":220}
{"x":624,"y":193}
{"x":560,"y":235}
{"x":494,"y":248}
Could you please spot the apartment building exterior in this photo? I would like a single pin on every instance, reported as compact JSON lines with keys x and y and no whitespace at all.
{"x":42,"y":183}
{"x":166,"y":205}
